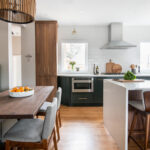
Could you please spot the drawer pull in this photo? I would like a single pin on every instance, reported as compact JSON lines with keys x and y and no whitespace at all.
{"x":83,"y":98}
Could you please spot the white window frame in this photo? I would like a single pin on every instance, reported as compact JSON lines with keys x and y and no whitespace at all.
{"x":143,"y":70}
{"x":86,"y":57}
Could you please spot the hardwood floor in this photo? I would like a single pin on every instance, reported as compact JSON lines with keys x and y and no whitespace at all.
{"x":83,"y":129}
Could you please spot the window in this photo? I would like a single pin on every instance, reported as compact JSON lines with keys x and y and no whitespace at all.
{"x":145,"y":56}
{"x":74,"y":52}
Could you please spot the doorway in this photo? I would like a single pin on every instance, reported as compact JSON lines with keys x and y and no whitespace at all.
{"x":16,"y":56}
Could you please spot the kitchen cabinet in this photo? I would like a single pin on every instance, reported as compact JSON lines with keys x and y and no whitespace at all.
{"x":65,"y":84}
{"x":78,"y":98}
{"x":46,"y":62}
{"x":145,"y":78}
{"x":85,"y":99}
{"x":98,"y":87}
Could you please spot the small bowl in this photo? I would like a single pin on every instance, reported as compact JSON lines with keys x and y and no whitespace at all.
{"x":21,"y":94}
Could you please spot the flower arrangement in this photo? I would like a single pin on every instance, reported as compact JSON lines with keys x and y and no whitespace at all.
{"x":72,"y":63}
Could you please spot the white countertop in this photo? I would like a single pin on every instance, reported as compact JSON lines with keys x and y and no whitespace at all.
{"x":133,"y":85}
{"x":99,"y":75}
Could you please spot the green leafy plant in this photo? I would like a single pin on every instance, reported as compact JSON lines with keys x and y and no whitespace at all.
{"x":72,"y":63}
{"x":129,"y":76}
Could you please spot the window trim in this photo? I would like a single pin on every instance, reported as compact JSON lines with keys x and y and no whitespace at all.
{"x":62,"y":56}
{"x":143,"y":70}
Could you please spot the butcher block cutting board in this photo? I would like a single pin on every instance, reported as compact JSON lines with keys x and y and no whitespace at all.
{"x":116,"y":68}
{"x":109,"y":66}
{"x":127,"y":81}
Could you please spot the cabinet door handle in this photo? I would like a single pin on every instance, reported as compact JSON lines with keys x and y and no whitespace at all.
{"x":83,"y":98}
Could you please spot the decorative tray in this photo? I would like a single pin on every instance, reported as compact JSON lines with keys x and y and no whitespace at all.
{"x":135,"y":80}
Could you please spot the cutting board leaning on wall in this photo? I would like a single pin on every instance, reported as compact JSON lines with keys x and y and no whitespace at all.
{"x":109,"y":66}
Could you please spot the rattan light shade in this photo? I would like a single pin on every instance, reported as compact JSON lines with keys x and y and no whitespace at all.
{"x":17,"y":11}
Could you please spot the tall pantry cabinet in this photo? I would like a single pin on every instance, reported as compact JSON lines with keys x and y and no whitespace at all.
{"x":46,"y":59}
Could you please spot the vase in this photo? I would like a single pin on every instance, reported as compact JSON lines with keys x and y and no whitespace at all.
{"x":72,"y":67}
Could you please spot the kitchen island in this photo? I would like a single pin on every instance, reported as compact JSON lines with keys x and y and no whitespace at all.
{"x":115,"y":109}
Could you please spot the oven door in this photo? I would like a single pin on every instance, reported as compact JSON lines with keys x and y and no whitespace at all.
{"x":82,"y":85}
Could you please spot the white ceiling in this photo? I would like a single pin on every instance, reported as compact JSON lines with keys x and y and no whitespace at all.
{"x":94,"y":12}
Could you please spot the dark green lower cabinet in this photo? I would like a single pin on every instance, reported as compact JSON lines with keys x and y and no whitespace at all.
{"x":65,"y":84}
{"x":98,"y":87}
{"x":81,"y":99}
{"x":145,"y":78}
{"x":95,"y":98}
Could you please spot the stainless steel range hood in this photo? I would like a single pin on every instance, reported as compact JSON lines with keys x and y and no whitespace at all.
{"x":115,"y":34}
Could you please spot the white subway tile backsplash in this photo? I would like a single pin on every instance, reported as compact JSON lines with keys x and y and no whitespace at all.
{"x":97,"y":36}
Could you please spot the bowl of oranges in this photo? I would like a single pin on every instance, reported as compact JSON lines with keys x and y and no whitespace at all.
{"x":21,"y":91}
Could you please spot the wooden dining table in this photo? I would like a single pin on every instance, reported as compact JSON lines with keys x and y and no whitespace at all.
{"x":25,"y":107}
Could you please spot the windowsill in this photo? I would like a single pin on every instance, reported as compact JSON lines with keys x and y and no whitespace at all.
{"x":145,"y":71}
{"x":74,"y":72}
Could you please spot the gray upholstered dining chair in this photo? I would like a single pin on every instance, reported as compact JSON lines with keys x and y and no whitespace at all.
{"x":5,"y":125}
{"x":58,"y":117}
{"x":34,"y":133}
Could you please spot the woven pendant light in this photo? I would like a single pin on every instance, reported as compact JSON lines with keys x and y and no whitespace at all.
{"x":17,"y":11}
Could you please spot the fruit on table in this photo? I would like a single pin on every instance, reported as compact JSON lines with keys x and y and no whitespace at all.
{"x":129,"y":76}
{"x":26,"y":88}
{"x":21,"y":89}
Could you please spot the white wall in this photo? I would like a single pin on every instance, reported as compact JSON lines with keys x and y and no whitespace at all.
{"x":97,"y":36}
{"x":28,"y":48}
{"x":17,"y":74}
{"x":5,"y":55}
{"x":16,"y":45}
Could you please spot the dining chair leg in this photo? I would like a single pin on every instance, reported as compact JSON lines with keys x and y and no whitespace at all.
{"x":57,"y":128}
{"x":54,"y":139}
{"x":132,"y":124}
{"x":147,"y":131}
{"x":7,"y":146}
{"x":59,"y":118}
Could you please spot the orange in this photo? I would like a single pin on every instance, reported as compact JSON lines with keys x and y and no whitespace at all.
{"x":13,"y":90}
{"x":17,"y":90}
{"x":26,"y":88}
{"x":21,"y":89}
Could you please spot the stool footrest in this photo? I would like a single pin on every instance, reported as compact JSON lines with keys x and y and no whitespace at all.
{"x":137,"y":132}
{"x":136,"y":143}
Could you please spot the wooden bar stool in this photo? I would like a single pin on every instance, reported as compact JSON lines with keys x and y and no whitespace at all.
{"x":141,"y":107}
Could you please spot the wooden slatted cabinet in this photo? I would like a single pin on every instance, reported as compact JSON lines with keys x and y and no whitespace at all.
{"x":46,"y":59}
